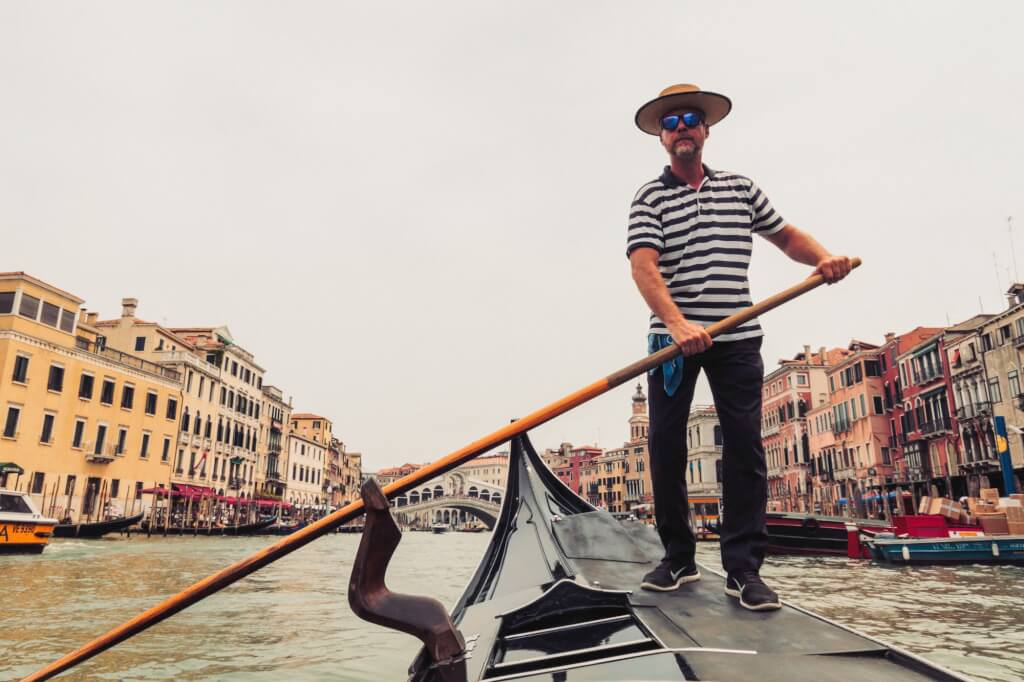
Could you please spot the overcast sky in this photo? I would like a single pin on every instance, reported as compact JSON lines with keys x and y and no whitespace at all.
{"x":413,"y":214}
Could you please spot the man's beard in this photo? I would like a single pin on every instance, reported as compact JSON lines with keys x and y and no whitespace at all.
{"x":686,"y":152}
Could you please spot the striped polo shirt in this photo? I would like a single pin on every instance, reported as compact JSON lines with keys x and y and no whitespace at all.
{"x":704,"y":237}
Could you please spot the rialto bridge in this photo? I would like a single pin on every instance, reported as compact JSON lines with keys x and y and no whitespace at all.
{"x":452,"y":500}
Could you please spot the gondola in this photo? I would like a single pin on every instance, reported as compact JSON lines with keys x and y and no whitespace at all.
{"x":256,"y":528}
{"x":556,"y":597}
{"x":96,"y":529}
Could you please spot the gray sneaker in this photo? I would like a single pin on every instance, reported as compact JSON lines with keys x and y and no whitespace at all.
{"x":666,"y":577}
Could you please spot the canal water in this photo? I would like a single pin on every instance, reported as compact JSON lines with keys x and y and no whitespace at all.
{"x":291,"y":620}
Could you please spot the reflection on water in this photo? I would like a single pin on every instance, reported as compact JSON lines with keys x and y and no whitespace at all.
{"x":291,"y":620}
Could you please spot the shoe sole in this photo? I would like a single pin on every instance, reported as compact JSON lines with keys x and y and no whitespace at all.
{"x":679,"y":583}
{"x":769,"y":606}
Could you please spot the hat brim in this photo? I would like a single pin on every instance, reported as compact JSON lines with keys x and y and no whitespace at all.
{"x":715,"y":108}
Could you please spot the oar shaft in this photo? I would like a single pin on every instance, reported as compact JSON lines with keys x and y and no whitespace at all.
{"x":286,"y":545}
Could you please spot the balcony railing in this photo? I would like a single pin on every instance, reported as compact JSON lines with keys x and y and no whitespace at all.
{"x":936,"y":426}
{"x":840,"y":427}
{"x":983,"y":408}
{"x":188,"y":359}
{"x":1018,"y":341}
{"x":125,"y":359}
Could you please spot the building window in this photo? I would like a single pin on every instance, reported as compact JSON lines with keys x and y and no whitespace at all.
{"x":993,"y":390}
{"x":51,"y":314}
{"x":151,"y":403}
{"x":20,"y":369}
{"x":107,"y":392}
{"x":1014,"y":384}
{"x":101,"y":435}
{"x":122,"y":436}
{"x":879,"y":408}
{"x":29,"y":306}
{"x":56,"y":380}
{"x":172,"y":408}
{"x":69,"y":485}
{"x":67,"y":321}
{"x":76,"y":439}
{"x":46,"y":436}
{"x":166,"y":452}
{"x":140,"y":343}
{"x":144,"y":450}
{"x":115,"y":488}
{"x":85,"y":385}
{"x":138,"y":490}
{"x":6,"y":302}
{"x":11,"y":423}
{"x":127,"y":397}
{"x":38,"y":479}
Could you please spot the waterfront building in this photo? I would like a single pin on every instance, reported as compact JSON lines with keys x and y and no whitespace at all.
{"x":972,"y":411}
{"x":272,"y":460}
{"x":929,"y":435}
{"x":786,"y":399}
{"x":567,"y":461}
{"x":892,"y":385}
{"x":862,"y":462}
{"x":314,"y":427}
{"x":704,"y":453}
{"x":304,"y":482}
{"x":1002,"y":338}
{"x":489,"y":470}
{"x":198,"y":455}
{"x":826,"y":494}
{"x":84,"y":420}
{"x":343,"y":475}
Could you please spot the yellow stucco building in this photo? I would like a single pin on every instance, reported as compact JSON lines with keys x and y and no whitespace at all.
{"x":85,"y":422}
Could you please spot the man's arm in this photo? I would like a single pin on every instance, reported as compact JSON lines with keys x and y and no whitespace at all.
{"x":689,"y":336}
{"x":803,"y":248}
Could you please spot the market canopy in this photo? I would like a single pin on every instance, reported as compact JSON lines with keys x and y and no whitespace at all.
{"x":10,"y":468}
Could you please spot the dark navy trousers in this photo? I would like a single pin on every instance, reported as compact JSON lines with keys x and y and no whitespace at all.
{"x":735,"y":372}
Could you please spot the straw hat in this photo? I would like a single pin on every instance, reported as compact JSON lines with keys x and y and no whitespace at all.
{"x":715,"y":106}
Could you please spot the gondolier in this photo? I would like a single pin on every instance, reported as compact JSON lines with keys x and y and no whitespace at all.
{"x":689,"y":244}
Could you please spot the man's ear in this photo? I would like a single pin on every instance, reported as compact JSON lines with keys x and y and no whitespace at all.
{"x":707,"y":131}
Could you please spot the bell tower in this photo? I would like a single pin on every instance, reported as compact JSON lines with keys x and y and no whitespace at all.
{"x":639,"y":422}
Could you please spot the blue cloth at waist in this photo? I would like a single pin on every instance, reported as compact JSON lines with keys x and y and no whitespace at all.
{"x":671,"y":371}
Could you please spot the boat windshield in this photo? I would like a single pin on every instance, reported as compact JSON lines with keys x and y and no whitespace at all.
{"x":14,"y":503}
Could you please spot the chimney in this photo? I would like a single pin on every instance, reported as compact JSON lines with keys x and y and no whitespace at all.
{"x":822,"y":358}
{"x":92,"y":318}
{"x":807,"y":353}
{"x":889,"y":336}
{"x":83,"y":315}
{"x":128,"y":306}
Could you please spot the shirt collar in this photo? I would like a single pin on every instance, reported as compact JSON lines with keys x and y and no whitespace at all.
{"x":670,"y":180}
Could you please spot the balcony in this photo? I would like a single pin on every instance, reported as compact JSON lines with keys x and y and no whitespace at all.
{"x":1018,"y":341}
{"x":983,"y":408}
{"x":929,"y":375}
{"x":937,"y":426}
{"x":840,"y":427}
{"x":770,"y":430}
{"x":129,"y":360}
{"x":189,"y":359}
{"x":236,"y":483}
{"x":104,"y":456}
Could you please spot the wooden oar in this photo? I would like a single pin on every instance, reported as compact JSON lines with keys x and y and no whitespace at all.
{"x":286,"y":545}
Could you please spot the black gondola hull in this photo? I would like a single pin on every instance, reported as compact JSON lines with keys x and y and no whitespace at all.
{"x":96,"y":529}
{"x":556,"y":597}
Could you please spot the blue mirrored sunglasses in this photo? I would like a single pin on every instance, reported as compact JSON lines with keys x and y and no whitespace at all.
{"x":691,"y":119}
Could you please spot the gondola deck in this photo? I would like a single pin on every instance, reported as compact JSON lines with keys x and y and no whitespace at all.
{"x":556,"y":597}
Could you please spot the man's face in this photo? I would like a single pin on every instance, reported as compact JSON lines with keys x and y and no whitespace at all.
{"x":684,"y":143}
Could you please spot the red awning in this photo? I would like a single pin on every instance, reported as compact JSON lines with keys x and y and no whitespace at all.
{"x":273,"y":503}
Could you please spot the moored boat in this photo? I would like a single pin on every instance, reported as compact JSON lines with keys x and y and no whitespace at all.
{"x":96,"y":529}
{"x":992,"y":549}
{"x":555,"y":597}
{"x":256,"y":528}
{"x":439,"y":528}
{"x":792,"y":533}
{"x":23,"y":529}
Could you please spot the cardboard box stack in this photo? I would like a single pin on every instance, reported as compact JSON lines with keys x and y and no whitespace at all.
{"x":1014,"y":515}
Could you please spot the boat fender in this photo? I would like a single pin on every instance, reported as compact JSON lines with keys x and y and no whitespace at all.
{"x":995,"y":549}
{"x":906,"y":553}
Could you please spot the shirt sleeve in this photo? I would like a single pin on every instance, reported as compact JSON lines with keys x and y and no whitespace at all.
{"x":644,"y":227}
{"x":764,"y":220}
